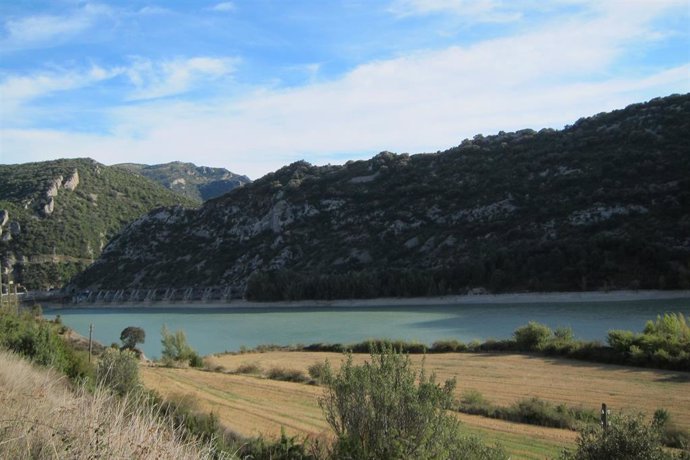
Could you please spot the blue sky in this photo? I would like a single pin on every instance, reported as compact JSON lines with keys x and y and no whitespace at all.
{"x":252,"y":85}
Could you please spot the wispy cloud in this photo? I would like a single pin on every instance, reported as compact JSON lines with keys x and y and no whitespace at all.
{"x":224,"y":7}
{"x":161,"y":79}
{"x":477,"y":10}
{"x":18,"y":90}
{"x":41,"y":29}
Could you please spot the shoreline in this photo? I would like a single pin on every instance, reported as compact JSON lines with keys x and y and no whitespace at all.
{"x":479,"y":299}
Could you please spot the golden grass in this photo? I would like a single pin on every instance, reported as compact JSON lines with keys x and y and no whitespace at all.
{"x":41,"y":418}
{"x":252,"y":405}
{"x":506,"y":378}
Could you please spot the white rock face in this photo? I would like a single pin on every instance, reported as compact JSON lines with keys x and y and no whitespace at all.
{"x":72,"y":182}
{"x":54,"y":187}
{"x":49,"y":207}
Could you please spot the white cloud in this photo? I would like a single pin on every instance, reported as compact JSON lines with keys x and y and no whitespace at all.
{"x":160,"y":79}
{"x":224,"y":7}
{"x":41,"y":29}
{"x":17,"y":90}
{"x":425,"y":101}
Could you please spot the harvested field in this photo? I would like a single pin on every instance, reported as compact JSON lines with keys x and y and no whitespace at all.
{"x":505,"y":378}
{"x":252,"y":405}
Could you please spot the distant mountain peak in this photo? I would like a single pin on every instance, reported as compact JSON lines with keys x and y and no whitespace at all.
{"x":199,"y":183}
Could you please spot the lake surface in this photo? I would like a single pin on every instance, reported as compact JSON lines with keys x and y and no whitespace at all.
{"x":213,"y":329}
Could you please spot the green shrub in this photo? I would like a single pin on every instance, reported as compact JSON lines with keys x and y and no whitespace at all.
{"x":447,"y":346}
{"x":118,"y":370}
{"x":383,"y":409}
{"x":621,"y":340}
{"x":532,"y":336}
{"x":628,"y":437}
{"x":285,"y":448}
{"x":176,"y":349}
{"x":671,"y":434}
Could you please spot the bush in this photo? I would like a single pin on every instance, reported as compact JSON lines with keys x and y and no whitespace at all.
{"x":287,"y":375}
{"x":118,"y":370}
{"x":318,"y":371}
{"x":176,"y":349}
{"x":383,"y":409}
{"x":532,"y":336}
{"x":248,"y":368}
{"x":671,"y":434}
{"x":628,"y":438}
{"x":447,"y":346}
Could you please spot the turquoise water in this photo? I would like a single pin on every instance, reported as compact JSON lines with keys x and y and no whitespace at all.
{"x":212,"y":330}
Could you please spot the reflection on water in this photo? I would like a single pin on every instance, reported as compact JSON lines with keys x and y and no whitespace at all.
{"x":211,"y":330}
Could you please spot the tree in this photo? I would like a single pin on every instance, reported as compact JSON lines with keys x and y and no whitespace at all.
{"x":176,"y":348}
{"x":131,"y":336}
{"x":384,"y":409}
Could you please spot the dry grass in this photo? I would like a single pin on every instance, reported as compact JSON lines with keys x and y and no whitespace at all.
{"x":42,"y":417}
{"x":252,"y":405}
{"x":504,"y":379}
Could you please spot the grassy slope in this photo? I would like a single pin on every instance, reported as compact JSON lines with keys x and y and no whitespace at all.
{"x":252,"y":405}
{"x":41,"y":417}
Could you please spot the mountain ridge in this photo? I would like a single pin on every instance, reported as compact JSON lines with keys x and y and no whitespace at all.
{"x":601,"y":204}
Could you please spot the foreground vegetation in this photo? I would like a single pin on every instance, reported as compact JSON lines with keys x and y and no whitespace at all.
{"x":385,"y":406}
{"x":44,"y":417}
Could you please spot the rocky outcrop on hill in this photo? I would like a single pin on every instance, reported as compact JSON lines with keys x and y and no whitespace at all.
{"x":58,"y":215}
{"x":601,"y":204}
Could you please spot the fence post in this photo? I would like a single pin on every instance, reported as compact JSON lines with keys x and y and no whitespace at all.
{"x":605,"y":417}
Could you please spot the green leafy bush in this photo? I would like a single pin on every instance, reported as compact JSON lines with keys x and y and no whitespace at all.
{"x":532,"y":336}
{"x":176,"y":349}
{"x":383,"y":409}
{"x":629,"y":437}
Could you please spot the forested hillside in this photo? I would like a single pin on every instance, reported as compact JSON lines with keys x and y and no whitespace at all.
{"x":56,"y":216}
{"x":601,"y":204}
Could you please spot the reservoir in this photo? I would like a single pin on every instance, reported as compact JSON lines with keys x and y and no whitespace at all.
{"x":214,"y":328}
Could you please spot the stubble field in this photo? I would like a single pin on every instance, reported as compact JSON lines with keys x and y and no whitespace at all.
{"x":253,"y":405}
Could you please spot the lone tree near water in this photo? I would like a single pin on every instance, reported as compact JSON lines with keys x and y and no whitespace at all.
{"x":131,"y":336}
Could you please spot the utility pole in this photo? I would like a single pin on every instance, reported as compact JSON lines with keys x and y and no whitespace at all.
{"x":90,"y":336}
